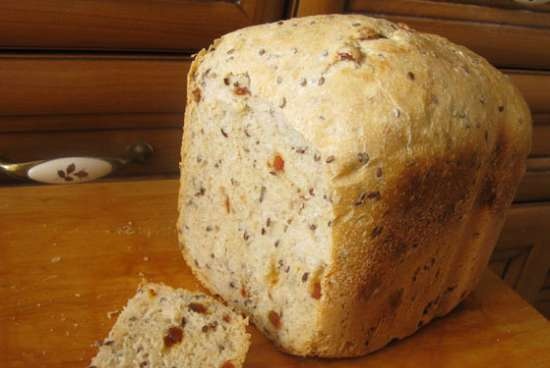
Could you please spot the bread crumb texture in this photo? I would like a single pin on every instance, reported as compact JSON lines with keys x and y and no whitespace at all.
{"x":161,"y":327}
{"x":344,"y":178}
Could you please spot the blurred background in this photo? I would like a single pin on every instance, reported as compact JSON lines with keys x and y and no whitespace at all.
{"x":93,"y":77}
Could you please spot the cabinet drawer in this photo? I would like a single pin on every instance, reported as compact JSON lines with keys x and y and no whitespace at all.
{"x":87,"y":84}
{"x":498,"y":30}
{"x":174,"y":25}
{"x":522,"y":254}
{"x":28,"y":146}
{"x":535,"y":186}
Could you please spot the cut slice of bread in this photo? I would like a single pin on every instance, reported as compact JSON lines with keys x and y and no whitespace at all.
{"x":165,"y":327}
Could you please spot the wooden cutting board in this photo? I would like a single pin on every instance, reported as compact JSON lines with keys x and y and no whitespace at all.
{"x":71,"y":256}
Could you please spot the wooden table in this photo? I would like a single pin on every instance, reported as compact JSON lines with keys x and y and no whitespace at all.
{"x":70,"y":257}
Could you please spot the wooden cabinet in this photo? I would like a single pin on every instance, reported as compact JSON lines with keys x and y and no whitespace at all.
{"x":91,"y":77}
{"x":522,"y":254}
{"x":151,"y":25}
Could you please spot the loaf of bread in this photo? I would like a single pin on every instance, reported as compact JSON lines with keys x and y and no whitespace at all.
{"x":344,"y":179}
{"x":161,"y":327}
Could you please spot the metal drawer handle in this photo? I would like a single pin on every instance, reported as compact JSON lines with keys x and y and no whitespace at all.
{"x":71,"y":170}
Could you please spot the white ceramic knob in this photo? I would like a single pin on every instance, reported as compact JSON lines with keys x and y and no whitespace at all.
{"x":72,"y":170}
{"x":69,"y":170}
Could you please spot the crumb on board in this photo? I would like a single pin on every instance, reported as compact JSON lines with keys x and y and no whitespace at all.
{"x":55,"y":259}
{"x":145,"y":258}
{"x":126,"y":229}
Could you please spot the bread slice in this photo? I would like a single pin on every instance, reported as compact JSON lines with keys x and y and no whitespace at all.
{"x":162,"y":327}
{"x":344,"y":178}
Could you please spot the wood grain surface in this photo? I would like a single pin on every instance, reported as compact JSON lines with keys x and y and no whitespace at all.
{"x":457,"y":10}
{"x":71,"y":256}
{"x":175,"y":25}
{"x":86,"y":84}
{"x":506,"y":37}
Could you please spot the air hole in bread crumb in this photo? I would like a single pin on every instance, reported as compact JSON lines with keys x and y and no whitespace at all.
{"x":411,"y":75}
{"x":366,"y":34}
{"x":210,"y":327}
{"x":346,"y":56}
{"x":363,"y":157}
